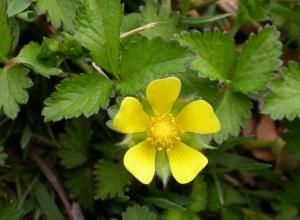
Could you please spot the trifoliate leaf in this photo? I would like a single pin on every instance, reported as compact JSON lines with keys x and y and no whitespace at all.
{"x":5,"y":32}
{"x":3,"y":156}
{"x":81,"y":186}
{"x":137,"y":212}
{"x":98,"y":29}
{"x":105,"y":172}
{"x":29,"y":56}
{"x":233,"y":111}
{"x":83,"y":94}
{"x":13,"y":85}
{"x":215,"y":53}
{"x":9,"y":211}
{"x":60,"y":12}
{"x":259,"y":58}
{"x":252,"y":10}
{"x":168,"y":22}
{"x":75,"y":143}
{"x":284,"y":97}
{"x":146,"y":60}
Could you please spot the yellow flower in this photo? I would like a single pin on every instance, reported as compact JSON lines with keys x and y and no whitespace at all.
{"x":164,"y":130}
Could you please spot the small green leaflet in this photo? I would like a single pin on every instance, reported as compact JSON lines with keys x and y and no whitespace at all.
{"x":98,"y":29}
{"x":252,"y":11}
{"x":105,"y":172}
{"x":137,"y":212}
{"x":60,"y":12}
{"x":284,"y":97}
{"x":82,"y":94}
{"x":215,"y":53}
{"x":168,"y":22}
{"x":146,"y":60}
{"x":5,"y":32}
{"x":292,"y":138}
{"x":13,"y":84}
{"x":259,"y":58}
{"x":74,"y":143}
{"x":233,"y":111}
{"x":81,"y":186}
{"x":29,"y":56}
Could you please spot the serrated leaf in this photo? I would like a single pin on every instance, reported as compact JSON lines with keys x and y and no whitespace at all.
{"x":29,"y":56}
{"x":106,"y":171}
{"x":74,"y":143}
{"x":252,"y":10}
{"x":233,"y":111}
{"x":146,"y":60}
{"x":83,"y":94}
{"x":283,"y":99}
{"x":5,"y":32}
{"x":9,"y":211}
{"x":80,"y":186}
{"x":98,"y":29}
{"x":259,"y":58}
{"x":13,"y":85}
{"x":168,"y":22}
{"x":60,"y":12}
{"x":215,"y":53}
{"x":3,"y":156}
{"x":137,"y":212}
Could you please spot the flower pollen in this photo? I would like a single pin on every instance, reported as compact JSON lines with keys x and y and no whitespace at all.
{"x":163,"y":132}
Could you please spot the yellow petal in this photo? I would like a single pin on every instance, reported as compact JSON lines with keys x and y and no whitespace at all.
{"x":131,"y":117}
{"x":198,"y":117}
{"x":185,"y":162}
{"x":140,"y":162}
{"x":162,"y":94}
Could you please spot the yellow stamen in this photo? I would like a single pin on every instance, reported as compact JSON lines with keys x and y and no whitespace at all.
{"x":163,"y":132}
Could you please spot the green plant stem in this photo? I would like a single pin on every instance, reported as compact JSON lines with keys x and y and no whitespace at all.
{"x":83,"y":65}
{"x":44,"y":140}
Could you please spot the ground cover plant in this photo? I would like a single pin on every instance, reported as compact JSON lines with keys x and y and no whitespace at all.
{"x":149,"y":109}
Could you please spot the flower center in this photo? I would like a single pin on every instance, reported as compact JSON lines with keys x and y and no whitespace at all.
{"x":163,"y":132}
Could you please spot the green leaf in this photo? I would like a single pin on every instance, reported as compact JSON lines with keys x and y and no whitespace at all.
{"x":98,"y":29}
{"x":146,"y":60}
{"x":13,"y":85}
{"x":137,"y":212}
{"x":80,"y":185}
{"x":292,"y":138}
{"x":173,"y":214}
{"x":60,"y":12}
{"x":259,"y":58}
{"x":215,"y":53}
{"x":168,"y":22}
{"x":83,"y":94}
{"x":3,"y":156}
{"x":198,"y":195}
{"x":74,"y":143}
{"x":252,"y":215}
{"x":5,"y":32}
{"x":237,"y":162}
{"x":252,"y":10}
{"x":46,"y":202}
{"x":9,"y":211}
{"x":29,"y":56}
{"x":106,"y":171}
{"x":233,"y":111}
{"x":283,"y":99}
{"x":16,"y":6}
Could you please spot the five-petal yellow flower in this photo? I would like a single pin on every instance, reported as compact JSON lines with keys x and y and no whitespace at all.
{"x":164,"y":130}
